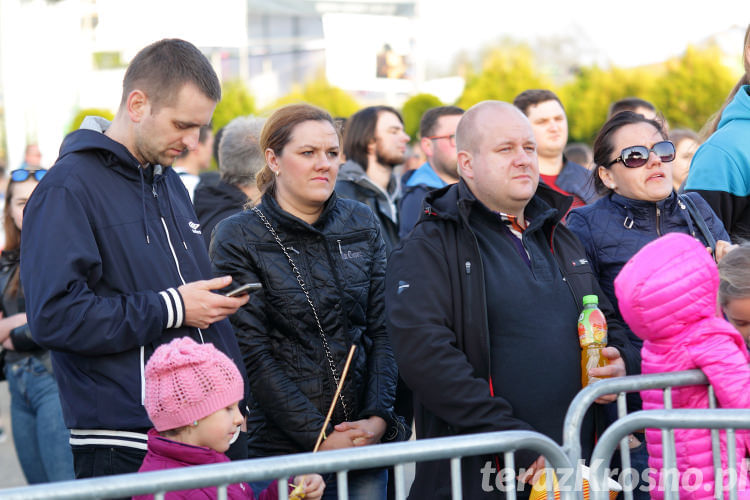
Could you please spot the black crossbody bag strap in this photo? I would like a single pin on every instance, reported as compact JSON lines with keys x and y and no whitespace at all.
{"x":699,"y":222}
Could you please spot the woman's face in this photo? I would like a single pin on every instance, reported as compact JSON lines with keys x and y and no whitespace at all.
{"x":650,"y":182}
{"x":307,"y":167}
{"x":685,"y":149}
{"x":21,"y":193}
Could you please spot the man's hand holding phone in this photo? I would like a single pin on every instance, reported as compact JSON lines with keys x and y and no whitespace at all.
{"x":203,"y":307}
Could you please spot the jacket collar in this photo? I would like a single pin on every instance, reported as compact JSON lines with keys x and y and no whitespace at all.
{"x":270,"y":207}
{"x":642,"y":208}
{"x":456,"y":200}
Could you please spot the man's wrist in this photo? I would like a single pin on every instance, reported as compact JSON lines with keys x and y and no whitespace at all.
{"x":175,"y":307}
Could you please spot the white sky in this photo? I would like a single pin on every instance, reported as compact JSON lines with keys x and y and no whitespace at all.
{"x":623,"y":32}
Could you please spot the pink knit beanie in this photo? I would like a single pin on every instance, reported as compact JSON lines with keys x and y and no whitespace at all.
{"x":186,"y":381}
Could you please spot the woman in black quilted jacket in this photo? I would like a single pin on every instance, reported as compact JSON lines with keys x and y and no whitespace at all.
{"x":321,"y":261}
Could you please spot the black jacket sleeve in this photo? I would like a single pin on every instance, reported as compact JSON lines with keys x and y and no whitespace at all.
{"x":381,"y":366}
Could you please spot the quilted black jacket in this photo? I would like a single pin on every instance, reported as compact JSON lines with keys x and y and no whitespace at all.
{"x":342,"y":261}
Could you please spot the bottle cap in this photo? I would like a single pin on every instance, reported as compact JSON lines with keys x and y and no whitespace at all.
{"x":590,"y":299}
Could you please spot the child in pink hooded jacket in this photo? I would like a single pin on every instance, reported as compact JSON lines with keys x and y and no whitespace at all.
{"x":667,"y":294}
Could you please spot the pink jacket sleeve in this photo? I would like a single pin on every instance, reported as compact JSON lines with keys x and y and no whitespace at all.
{"x":723,"y":357}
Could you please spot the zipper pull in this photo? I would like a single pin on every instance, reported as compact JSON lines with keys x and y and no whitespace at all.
{"x":341,"y":252}
{"x":468,"y":267}
{"x":153,"y":190}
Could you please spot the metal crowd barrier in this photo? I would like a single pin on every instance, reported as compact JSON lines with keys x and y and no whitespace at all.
{"x":635,"y":383}
{"x":667,"y":420}
{"x":339,"y":461}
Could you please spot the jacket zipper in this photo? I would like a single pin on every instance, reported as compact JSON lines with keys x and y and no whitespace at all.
{"x":658,"y":214}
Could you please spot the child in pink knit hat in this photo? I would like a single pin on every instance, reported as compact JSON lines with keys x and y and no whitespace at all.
{"x":192,"y":393}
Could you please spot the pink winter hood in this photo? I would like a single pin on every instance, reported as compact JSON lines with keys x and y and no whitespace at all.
{"x":670,"y":284}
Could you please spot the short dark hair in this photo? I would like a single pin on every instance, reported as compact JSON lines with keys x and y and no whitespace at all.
{"x":161,"y":69}
{"x":360,"y":131}
{"x":430,"y":118}
{"x":604,"y":145}
{"x":532,"y":97}
{"x":629,"y":104}
{"x":202,"y":137}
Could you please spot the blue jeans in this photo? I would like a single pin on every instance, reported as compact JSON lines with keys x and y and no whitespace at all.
{"x":39,"y":432}
{"x":363,"y":485}
{"x":370,"y":484}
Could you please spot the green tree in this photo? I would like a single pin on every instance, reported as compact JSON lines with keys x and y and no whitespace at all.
{"x":319,"y":92}
{"x":414,"y":108}
{"x":236,"y":100}
{"x":692,"y":87}
{"x":75,"y":124}
{"x":506,"y":72}
{"x":587,"y":98}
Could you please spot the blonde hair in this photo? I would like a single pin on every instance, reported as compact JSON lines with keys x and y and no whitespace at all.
{"x":713,"y":122}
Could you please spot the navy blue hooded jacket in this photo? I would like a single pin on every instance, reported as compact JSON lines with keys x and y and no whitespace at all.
{"x":105,"y":244}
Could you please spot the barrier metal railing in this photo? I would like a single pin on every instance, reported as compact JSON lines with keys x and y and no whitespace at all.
{"x":339,"y":461}
{"x":635,"y":383}
{"x":667,"y":420}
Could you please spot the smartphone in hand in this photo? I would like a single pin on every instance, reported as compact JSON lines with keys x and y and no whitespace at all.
{"x":242,"y":289}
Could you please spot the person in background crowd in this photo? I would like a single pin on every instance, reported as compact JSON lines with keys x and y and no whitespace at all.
{"x":32,"y":157}
{"x":321,"y":260}
{"x":125,"y":266}
{"x":580,"y":153}
{"x":191,"y":162}
{"x":685,"y":142}
{"x":198,"y":429}
{"x":374,"y":143}
{"x":667,"y":294}
{"x":477,"y":301}
{"x":639,"y":204}
{"x":550,"y":124}
{"x":713,"y":123}
{"x":734,"y":289}
{"x":39,"y":432}
{"x":720,"y":171}
{"x":240,"y":161}
{"x":634,"y":104}
{"x":437,"y":132}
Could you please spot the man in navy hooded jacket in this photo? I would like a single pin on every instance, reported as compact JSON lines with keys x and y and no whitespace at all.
{"x":114,"y":263}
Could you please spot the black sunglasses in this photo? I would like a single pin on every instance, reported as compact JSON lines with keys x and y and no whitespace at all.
{"x":22,"y":174}
{"x":637,"y":156}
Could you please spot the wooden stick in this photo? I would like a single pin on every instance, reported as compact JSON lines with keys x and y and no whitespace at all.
{"x":335,"y":398}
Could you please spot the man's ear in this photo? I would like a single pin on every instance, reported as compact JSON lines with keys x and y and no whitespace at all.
{"x":426,"y":145}
{"x":138,"y":105}
{"x":465,"y":164}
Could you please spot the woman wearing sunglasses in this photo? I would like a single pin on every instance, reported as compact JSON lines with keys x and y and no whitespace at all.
{"x":39,"y":433}
{"x":634,"y":173}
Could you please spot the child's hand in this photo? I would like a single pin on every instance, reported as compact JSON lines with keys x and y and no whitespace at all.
{"x":309,"y":487}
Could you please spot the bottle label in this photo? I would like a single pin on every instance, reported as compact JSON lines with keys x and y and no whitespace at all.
{"x":592,"y":327}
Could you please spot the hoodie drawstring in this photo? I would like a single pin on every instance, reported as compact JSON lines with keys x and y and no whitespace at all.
{"x":143,"y":205}
{"x":174,"y":218}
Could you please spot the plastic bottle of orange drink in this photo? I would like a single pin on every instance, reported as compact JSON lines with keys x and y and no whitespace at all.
{"x":592,"y":334}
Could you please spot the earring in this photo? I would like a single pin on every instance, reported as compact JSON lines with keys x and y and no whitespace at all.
{"x":195,"y":423}
{"x":276,"y":172}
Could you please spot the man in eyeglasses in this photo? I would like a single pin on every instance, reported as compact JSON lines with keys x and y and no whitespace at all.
{"x":547,"y":116}
{"x":114,"y":259}
{"x":437,"y":132}
{"x":482,"y":303}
